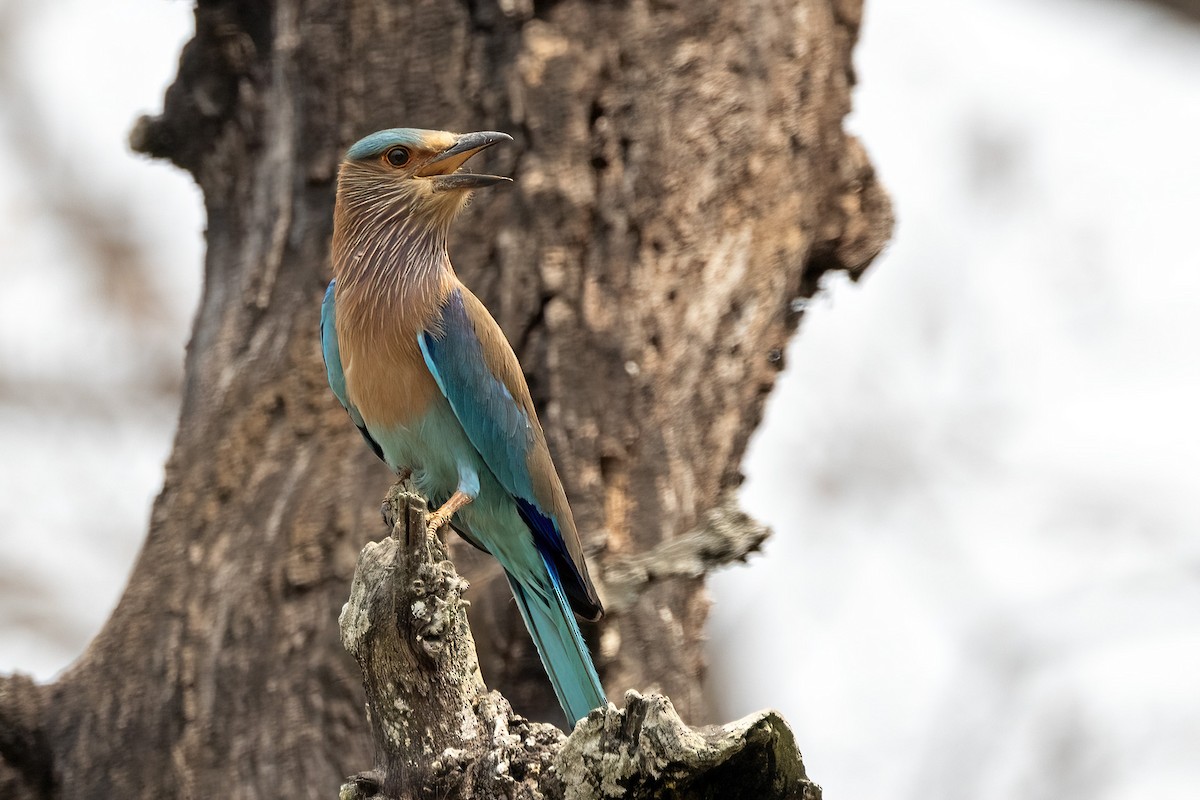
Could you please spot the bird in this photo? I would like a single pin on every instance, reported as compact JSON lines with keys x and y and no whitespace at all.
{"x":433,"y":385}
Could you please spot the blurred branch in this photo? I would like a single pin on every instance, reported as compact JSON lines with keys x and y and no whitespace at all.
{"x":438,"y":732}
{"x":728,"y":534}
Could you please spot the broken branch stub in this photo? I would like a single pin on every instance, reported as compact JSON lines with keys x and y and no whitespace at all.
{"x":438,"y":732}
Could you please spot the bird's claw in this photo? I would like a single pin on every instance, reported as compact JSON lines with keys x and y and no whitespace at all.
{"x":440,"y":517}
{"x":435,"y":522}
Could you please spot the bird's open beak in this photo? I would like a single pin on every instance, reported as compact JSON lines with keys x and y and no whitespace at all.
{"x":442,"y":168}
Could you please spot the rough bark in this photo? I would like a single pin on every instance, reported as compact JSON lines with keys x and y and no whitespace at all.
{"x":438,"y":732}
{"x":682,"y":177}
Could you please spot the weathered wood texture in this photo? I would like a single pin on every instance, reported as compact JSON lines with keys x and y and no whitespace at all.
{"x":681,"y":176}
{"x":439,"y":733}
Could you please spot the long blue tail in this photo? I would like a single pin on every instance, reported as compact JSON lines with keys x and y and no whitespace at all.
{"x":564,"y":654}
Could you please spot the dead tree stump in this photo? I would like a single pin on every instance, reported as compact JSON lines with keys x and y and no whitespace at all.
{"x":439,"y":733}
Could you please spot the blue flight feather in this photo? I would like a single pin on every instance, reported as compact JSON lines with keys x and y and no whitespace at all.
{"x":502,"y":434}
{"x":496,"y":426}
{"x":549,"y":542}
{"x":547,"y":614}
{"x":493,"y":421}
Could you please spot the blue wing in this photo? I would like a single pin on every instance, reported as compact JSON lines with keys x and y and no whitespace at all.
{"x":333,"y":366}
{"x":495,"y":424}
{"x":501,"y":430}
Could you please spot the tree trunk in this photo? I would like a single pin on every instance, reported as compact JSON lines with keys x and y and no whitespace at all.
{"x":682,"y":178}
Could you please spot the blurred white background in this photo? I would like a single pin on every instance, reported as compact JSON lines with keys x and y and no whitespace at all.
{"x":982,"y":462}
{"x":100,"y":260}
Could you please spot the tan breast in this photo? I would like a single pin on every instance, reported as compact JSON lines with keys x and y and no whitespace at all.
{"x":386,"y":376}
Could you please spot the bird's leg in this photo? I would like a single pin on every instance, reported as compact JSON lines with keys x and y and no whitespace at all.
{"x":403,"y":474}
{"x":440,"y":517}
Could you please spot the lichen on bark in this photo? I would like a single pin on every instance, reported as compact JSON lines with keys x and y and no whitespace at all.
{"x":439,"y":733}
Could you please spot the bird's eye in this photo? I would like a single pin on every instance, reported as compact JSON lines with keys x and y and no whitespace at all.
{"x":397,"y":156}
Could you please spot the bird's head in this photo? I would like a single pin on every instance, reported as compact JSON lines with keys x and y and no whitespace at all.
{"x":415,"y":171}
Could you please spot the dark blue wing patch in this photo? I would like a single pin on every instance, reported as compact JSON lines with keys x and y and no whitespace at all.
{"x":550,"y":544}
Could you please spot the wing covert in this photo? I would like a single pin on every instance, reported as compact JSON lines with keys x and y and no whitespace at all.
{"x":478,"y":373}
{"x":494,"y":422}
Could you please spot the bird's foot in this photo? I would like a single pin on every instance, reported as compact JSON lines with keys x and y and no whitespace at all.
{"x":435,"y":522}
{"x":440,"y":517}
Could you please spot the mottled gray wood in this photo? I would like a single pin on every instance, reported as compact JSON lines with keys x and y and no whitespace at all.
{"x":439,"y":733}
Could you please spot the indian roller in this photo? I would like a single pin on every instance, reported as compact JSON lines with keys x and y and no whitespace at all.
{"x":429,"y":379}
